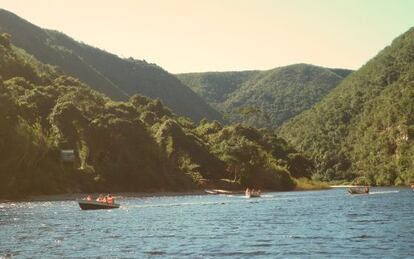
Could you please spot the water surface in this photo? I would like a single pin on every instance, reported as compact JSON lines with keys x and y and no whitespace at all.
{"x":312,"y":224}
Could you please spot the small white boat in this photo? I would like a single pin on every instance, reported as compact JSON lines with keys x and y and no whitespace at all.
{"x":218,"y":191}
{"x":211,"y":191}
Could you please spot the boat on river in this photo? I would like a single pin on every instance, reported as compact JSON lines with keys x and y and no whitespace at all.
{"x":253,"y":193}
{"x":211,"y":191}
{"x":218,"y":191}
{"x":358,"y":190}
{"x":97,"y":205}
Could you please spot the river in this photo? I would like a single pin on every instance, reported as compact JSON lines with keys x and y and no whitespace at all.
{"x":312,"y":224}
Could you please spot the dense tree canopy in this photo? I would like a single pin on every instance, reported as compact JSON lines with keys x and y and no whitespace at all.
{"x":365,"y":127}
{"x":118,"y":78}
{"x":265,"y":98}
{"x":136,"y":145}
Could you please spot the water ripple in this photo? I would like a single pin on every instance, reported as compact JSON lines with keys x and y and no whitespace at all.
{"x":313,"y":224}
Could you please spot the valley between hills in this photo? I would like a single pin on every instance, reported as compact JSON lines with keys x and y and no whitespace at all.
{"x":135,"y":127}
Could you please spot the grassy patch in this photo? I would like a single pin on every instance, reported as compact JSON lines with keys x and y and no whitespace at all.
{"x":307,"y":184}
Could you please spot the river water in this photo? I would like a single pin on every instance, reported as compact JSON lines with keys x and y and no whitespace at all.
{"x":313,"y":224}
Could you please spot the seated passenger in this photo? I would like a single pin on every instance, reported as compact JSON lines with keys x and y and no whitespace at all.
{"x":109,"y":199}
{"x":100,"y":198}
{"x":247,"y":192}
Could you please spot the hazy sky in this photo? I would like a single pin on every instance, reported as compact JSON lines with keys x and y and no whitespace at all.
{"x":220,"y":35}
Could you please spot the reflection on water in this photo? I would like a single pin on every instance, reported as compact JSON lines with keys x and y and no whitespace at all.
{"x":293,"y":224}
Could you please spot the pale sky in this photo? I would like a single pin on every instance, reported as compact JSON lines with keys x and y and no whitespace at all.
{"x":222,"y":35}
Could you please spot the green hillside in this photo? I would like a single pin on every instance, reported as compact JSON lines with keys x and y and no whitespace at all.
{"x":216,"y":87}
{"x":364,"y":127}
{"x":265,"y":98}
{"x":136,"y":145}
{"x":107,"y":73}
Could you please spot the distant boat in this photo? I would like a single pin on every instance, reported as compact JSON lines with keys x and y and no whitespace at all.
{"x":218,"y":191}
{"x":358,"y":190}
{"x":211,"y":191}
{"x":253,"y":195}
{"x":97,"y":205}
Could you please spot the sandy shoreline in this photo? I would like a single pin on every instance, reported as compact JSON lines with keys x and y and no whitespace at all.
{"x":345,"y":186}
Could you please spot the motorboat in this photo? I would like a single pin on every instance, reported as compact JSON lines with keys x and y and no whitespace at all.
{"x":253,"y":193}
{"x":358,"y":190}
{"x":96,"y":205}
{"x":211,"y":191}
{"x":218,"y":191}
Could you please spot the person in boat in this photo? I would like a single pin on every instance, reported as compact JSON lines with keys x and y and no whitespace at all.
{"x":88,"y":198}
{"x":100,"y":198}
{"x":247,"y":192}
{"x":110,"y":199}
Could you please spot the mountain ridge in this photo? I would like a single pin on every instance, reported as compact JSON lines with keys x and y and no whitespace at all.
{"x":136,"y":145}
{"x":116,"y":77}
{"x":364,"y":127}
{"x":265,"y":98}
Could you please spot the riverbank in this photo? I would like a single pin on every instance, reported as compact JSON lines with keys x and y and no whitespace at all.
{"x":121,"y":195}
{"x":305,"y":184}
{"x":302,"y":185}
{"x":345,"y":186}
{"x":118,"y":195}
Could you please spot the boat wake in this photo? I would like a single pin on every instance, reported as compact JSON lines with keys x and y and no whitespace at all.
{"x":176,"y":204}
{"x":223,"y":202}
{"x":234,"y":199}
{"x":384,"y":192}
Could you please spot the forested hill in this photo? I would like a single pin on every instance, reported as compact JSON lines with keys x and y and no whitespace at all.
{"x":107,"y":73}
{"x":216,"y":87}
{"x":265,"y":98}
{"x":136,"y":145}
{"x":365,"y":127}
